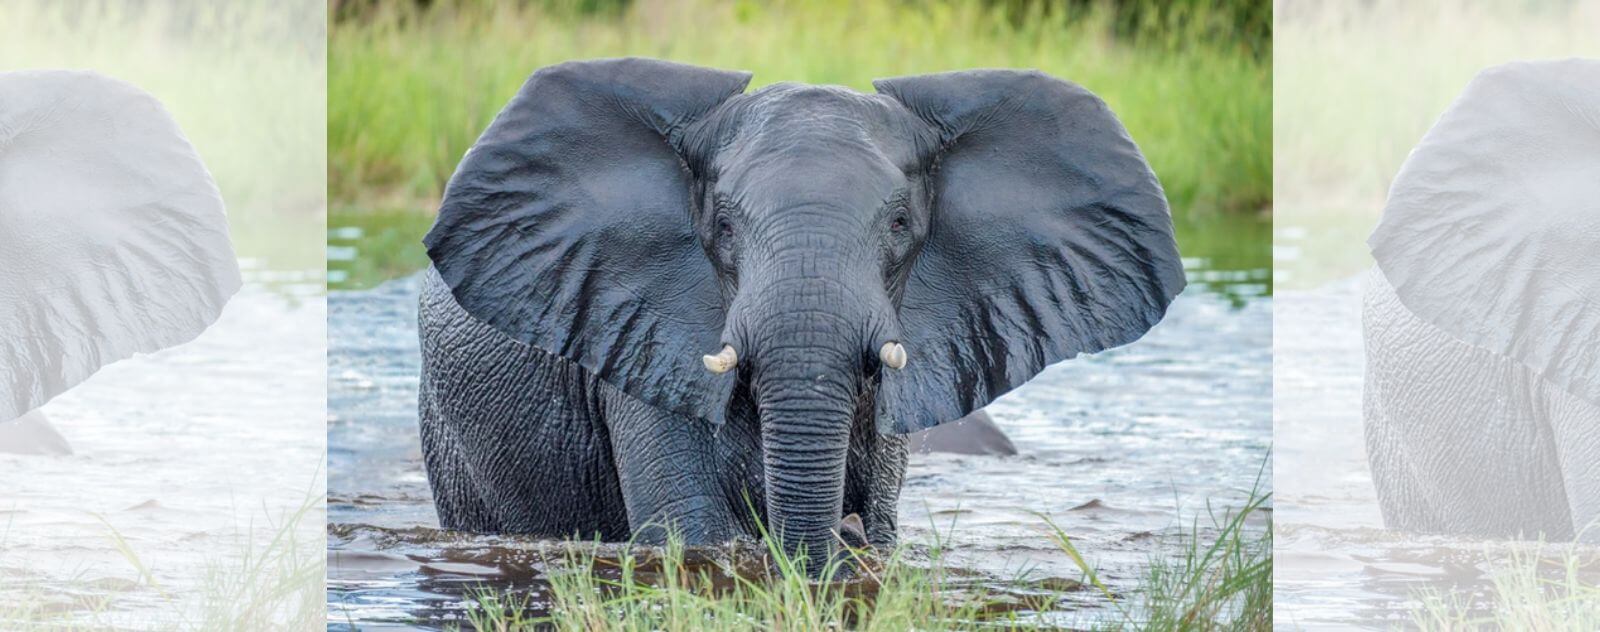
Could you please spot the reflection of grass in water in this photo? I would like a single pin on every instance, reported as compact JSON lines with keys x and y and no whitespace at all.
{"x":279,"y":586}
{"x":409,"y":93}
{"x":1220,"y":582}
{"x":1359,"y":83}
{"x":1533,"y":590}
{"x":368,"y":247}
{"x":245,"y":80}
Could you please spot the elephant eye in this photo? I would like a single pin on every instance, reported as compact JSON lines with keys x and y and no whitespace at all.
{"x":724,"y":227}
{"x":898,"y":224}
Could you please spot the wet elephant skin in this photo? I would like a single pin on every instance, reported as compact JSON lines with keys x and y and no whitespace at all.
{"x":621,"y":219}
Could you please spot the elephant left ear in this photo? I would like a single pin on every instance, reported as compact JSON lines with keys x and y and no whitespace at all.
{"x":1491,"y":229}
{"x":1050,"y":237}
{"x":113,"y":235}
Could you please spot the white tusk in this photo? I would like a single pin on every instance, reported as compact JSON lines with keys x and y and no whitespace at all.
{"x":893,"y":355}
{"x":721,"y":362}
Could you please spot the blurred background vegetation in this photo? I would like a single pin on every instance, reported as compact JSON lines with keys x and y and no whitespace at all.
{"x":413,"y":82}
{"x":245,"y":80}
{"x":1358,"y":84}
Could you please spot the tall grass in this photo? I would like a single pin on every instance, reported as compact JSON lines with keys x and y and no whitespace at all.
{"x":1534,"y":589}
{"x":1222,"y":580}
{"x":1359,"y":83}
{"x":278,"y":584}
{"x":245,"y":80}
{"x":410,"y":89}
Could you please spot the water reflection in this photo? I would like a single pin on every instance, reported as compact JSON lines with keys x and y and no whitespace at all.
{"x":190,"y":456}
{"x":1227,"y":254}
{"x":1123,"y":450}
{"x":1335,"y":564}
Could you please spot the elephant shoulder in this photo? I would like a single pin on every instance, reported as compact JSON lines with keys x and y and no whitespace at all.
{"x":476,"y":367}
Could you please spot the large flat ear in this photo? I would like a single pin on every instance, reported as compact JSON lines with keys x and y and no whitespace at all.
{"x":113,"y":238}
{"x":1492,"y":229}
{"x":1050,"y":237}
{"x":567,"y":227}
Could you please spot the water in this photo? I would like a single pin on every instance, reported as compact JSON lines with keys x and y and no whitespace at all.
{"x":1123,"y":450}
{"x":193,"y":455}
{"x":1335,"y":564}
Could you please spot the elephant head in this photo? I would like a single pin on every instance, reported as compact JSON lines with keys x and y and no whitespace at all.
{"x":1493,"y":224}
{"x":906,"y":256}
{"x":113,"y":239}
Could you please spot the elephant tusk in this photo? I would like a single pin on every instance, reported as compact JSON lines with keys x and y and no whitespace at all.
{"x":722,"y":362}
{"x":893,"y":354}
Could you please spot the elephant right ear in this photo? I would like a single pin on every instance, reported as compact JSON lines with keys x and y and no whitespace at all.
{"x":568,"y":227}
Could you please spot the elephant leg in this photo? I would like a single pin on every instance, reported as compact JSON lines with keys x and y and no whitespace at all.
{"x":676,"y":472}
{"x":1457,"y":437}
{"x":457,"y":499}
{"x":1576,"y":426}
{"x":874,"y":474}
{"x":513,"y":438}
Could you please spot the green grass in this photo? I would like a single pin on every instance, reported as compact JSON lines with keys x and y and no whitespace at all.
{"x":1222,"y":580}
{"x":409,"y":91}
{"x":246,"y":81}
{"x":1534,"y":589}
{"x":276,"y":585}
{"x":1358,"y":84}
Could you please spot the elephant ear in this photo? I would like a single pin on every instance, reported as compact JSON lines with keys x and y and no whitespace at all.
{"x":1492,"y":228}
{"x":113,"y":238}
{"x":1050,"y":237}
{"x":568,"y":227}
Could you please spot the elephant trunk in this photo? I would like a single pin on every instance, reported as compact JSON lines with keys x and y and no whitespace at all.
{"x":809,"y":352}
{"x":805,"y":436}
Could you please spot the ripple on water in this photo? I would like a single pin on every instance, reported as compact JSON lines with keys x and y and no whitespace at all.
{"x":1122,"y":449}
{"x":180,"y":453}
{"x":1335,"y":564}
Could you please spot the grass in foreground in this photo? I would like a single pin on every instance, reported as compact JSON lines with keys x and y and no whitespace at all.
{"x":278,"y":585}
{"x":1533,"y":590}
{"x":1222,"y":580}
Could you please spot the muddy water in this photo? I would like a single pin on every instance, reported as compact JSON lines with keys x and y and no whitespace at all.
{"x":193,"y":455}
{"x":1123,"y":450}
{"x":1335,"y":565}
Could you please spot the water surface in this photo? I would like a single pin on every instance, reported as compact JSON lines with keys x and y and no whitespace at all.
{"x":1123,"y":450}
{"x":193,"y":455}
{"x":1335,"y":565}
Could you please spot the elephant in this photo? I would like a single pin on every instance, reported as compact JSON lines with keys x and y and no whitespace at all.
{"x":113,"y":235}
{"x":1481,"y":398}
{"x":658,"y":303}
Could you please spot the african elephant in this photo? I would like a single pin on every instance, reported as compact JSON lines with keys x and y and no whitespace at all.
{"x":113,"y":238}
{"x":658,"y":300}
{"x":1482,"y":320}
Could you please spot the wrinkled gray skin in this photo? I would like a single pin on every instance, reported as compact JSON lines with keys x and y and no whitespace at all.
{"x":623,"y":217}
{"x":1481,"y":321}
{"x":1464,"y":440}
{"x":599,"y":461}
